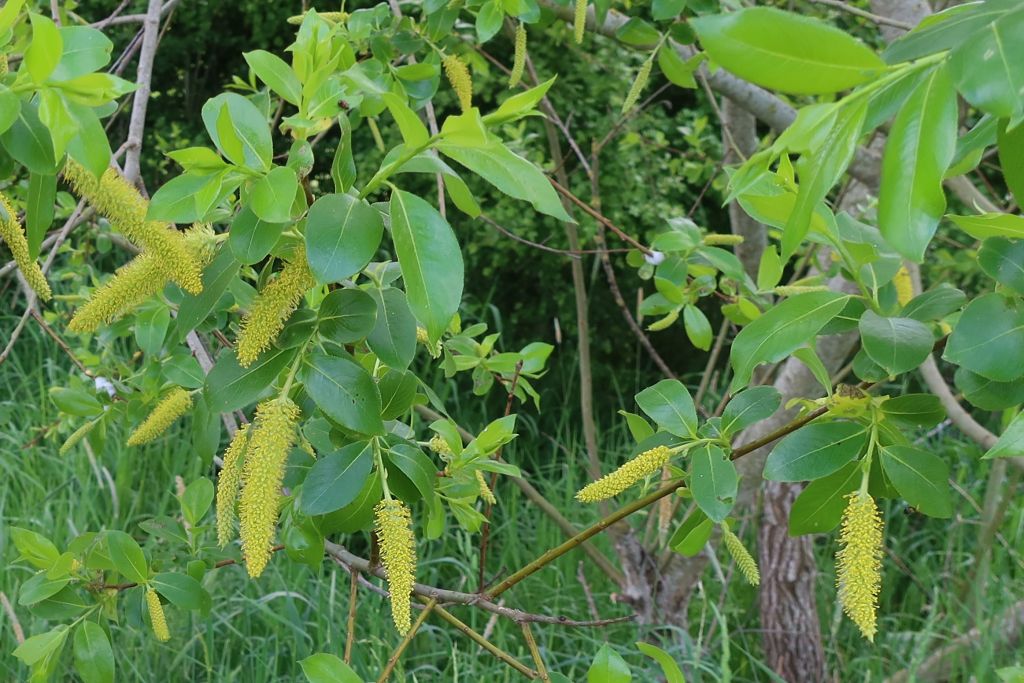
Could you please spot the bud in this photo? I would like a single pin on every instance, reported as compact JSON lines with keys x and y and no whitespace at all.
{"x":272,"y":436}
{"x":12,"y":234}
{"x":485,"y":490}
{"x":579,"y":20}
{"x":114,"y":198}
{"x":742,"y":558}
{"x":904,"y":286}
{"x":440,"y":446}
{"x":645,"y":464}
{"x":519,"y":58}
{"x":859,"y":562}
{"x":458,"y":75}
{"x":272,"y":308}
{"x":227,"y":485}
{"x":398,"y":555}
{"x":157,"y":617}
{"x":173,"y":406}
{"x":638,"y":86}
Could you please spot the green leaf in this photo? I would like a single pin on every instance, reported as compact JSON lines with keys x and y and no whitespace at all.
{"x":252,"y":238}
{"x":181,"y":590}
{"x":815,"y":451}
{"x":915,"y":410}
{"x":1003,"y":261}
{"x":809,"y":357}
{"x":75,"y":402}
{"x":151,"y":323}
{"x":28,"y":141}
{"x":1011,"y":442}
{"x":94,"y":658}
{"x":336,"y":479}
{"x":358,"y":514}
{"x":216,"y":278}
{"x":519,"y":105}
{"x":344,"y":391}
{"x":347,"y":315}
{"x":821,"y":170}
{"x":177,"y":200}
{"x":989,"y":338}
{"x":987,"y":394}
{"x":713,"y":481}
{"x":342,"y":236}
{"x":637,"y":33}
{"x":608,"y":667}
{"x":669,"y":668}
{"x":692,"y":534}
{"x":38,"y":647}
{"x":782,"y":330}
{"x":343,"y":166}
{"x":397,"y":393}
{"x":667,"y":9}
{"x":698,"y":329}
{"x":509,"y":172}
{"x":920,"y":477}
{"x":414,"y":133}
{"x":416,"y":466}
{"x":639,"y":428}
{"x":39,"y":587}
{"x":676,"y":69}
{"x":44,"y":50}
{"x":247,"y":124}
{"x":127,"y":556}
{"x":991,"y":225}
{"x":896,"y":344}
{"x":934,"y":304}
{"x":749,"y":407}
{"x":39,"y":209}
{"x":1011,"y":158}
{"x":327,"y":668}
{"x":196,"y":500}
{"x":90,"y":147}
{"x":229,"y":386}
{"x":819,"y":507}
{"x":9,"y":107}
{"x":38,"y":550}
{"x":431,"y":261}
{"x":986,"y":67}
{"x":393,"y":337}
{"x":85,"y":50}
{"x":276,"y":73}
{"x":670,"y":405}
{"x":942,"y":31}
{"x":920,"y":148}
{"x":488,"y":20}
{"x":272,"y":196}
{"x":785,"y":51}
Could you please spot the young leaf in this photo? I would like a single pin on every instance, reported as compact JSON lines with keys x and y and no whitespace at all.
{"x":608,"y":667}
{"x":670,"y":405}
{"x":896,"y":344}
{"x":692,"y":534}
{"x":127,"y":556}
{"x":713,"y":481}
{"x":44,"y":50}
{"x":815,"y":451}
{"x":671,"y":670}
{"x":991,"y":225}
{"x":272,"y":196}
{"x":1011,"y":442}
{"x":94,"y":658}
{"x":327,"y":668}
{"x":748,"y":407}
{"x":342,"y":235}
{"x":276,"y":73}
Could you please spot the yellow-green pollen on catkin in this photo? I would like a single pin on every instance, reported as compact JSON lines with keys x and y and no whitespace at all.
{"x":579,"y":21}
{"x":743,"y":559}
{"x":519,"y":57}
{"x":639,"y":83}
{"x":115,"y":199}
{"x":904,"y":286}
{"x":631,"y":472}
{"x":76,"y":437}
{"x":271,"y":437}
{"x":157,"y":618}
{"x":227,"y":485}
{"x":458,"y":75}
{"x":716,"y":239}
{"x":485,"y":490}
{"x":12,"y":234}
{"x":859,"y":562}
{"x":397,"y":547}
{"x":3,"y":65}
{"x":272,"y":308}
{"x":169,"y":409}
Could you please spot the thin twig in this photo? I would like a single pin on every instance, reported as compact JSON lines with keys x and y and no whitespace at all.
{"x":484,"y":643}
{"x":863,"y":13}
{"x":19,"y":634}
{"x":353,"y":595}
{"x":396,"y":655}
{"x":143,"y":78}
{"x":538,"y":661}
{"x":587,"y":208}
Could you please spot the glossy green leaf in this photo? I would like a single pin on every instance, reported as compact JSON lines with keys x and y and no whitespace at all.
{"x":127,"y":556}
{"x":38,"y":550}
{"x":749,"y":407}
{"x":397,"y":393}
{"x":40,"y":587}
{"x":44,"y":50}
{"x":1011,"y":159}
{"x":669,"y":668}
{"x":988,"y":394}
{"x":196,"y":500}
{"x":415,"y":465}
{"x":216,"y":278}
{"x":1011,"y":442}
{"x":342,"y":236}
{"x":431,"y":261}
{"x":94,"y":658}
{"x":181,"y":590}
{"x":670,"y":405}
{"x":39,"y":209}
{"x":920,"y":148}
{"x":272,"y":196}
{"x":896,"y":344}
{"x":934,"y":304}
{"x":942,"y":31}
{"x":608,"y":667}
{"x":915,"y":410}
{"x":815,"y":451}
{"x":252,"y":238}
{"x":244,"y":122}
{"x":38,"y":647}
{"x":698,"y":328}
{"x":393,"y":337}
{"x":1003,"y":261}
{"x":819,"y":507}
{"x":991,"y":225}
{"x":986,"y":66}
{"x":327,"y":668}
{"x":229,"y":386}
{"x":782,"y":330}
{"x":785,"y":51}
{"x":344,"y":391}
{"x":921,"y":478}
{"x":85,"y":50}
{"x":519,"y":105}
{"x":713,"y":481}
{"x":28,"y":141}
{"x":414,"y":133}
{"x":692,"y":534}
{"x":989,"y":338}
{"x":276,"y":73}
{"x":347,"y":315}
{"x":336,"y":479}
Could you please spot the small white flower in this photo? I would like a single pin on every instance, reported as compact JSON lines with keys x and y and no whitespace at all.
{"x":654,"y":258}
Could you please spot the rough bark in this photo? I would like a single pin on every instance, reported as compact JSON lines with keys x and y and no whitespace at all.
{"x":743,"y":133}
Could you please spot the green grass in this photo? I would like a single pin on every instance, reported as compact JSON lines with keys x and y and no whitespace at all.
{"x":258,"y":631}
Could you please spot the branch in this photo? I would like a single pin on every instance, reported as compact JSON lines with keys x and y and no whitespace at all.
{"x":876,"y":18}
{"x":143,"y":76}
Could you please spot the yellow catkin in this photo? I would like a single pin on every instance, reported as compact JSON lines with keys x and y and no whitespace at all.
{"x":793,"y":290}
{"x":904,"y":287}
{"x":227,"y":485}
{"x":718,"y":239}
{"x":398,"y":555}
{"x":579,"y":21}
{"x":485,"y":490}
{"x":114,"y":198}
{"x":12,"y":234}
{"x":638,"y":86}
{"x":169,"y":409}
{"x":439,"y":446}
{"x":3,"y":65}
{"x":645,"y":464}
{"x":76,"y":437}
{"x":859,"y":562}
{"x":272,"y":307}
{"x":272,"y":436}
{"x":458,"y":75}
{"x":519,"y":57}
{"x":157,"y":617}
{"x":333,"y":17}
{"x":743,"y":559}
